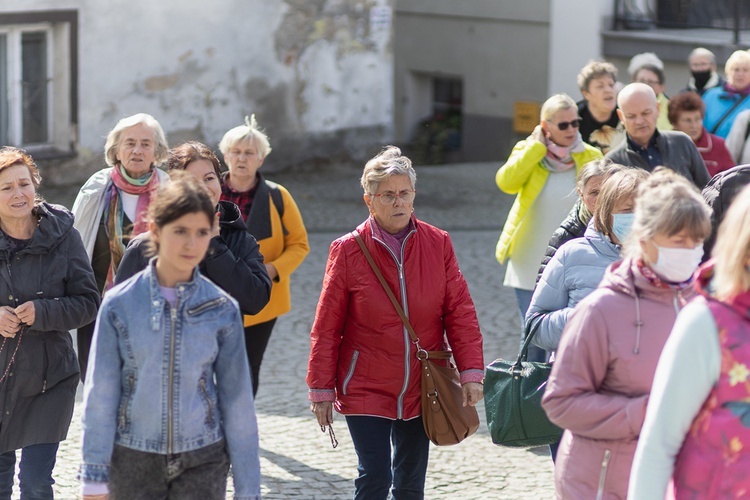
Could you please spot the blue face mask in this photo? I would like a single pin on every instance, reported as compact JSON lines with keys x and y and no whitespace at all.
{"x":621,"y":225}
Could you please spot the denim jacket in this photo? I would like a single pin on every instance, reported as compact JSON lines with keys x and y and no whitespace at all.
{"x":170,"y":380}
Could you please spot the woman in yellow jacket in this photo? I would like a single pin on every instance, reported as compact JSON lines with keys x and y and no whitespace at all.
{"x":541,"y":171}
{"x":273,"y":218}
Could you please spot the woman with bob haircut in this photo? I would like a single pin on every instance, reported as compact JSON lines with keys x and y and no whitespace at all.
{"x":605,"y":363}
{"x":362,"y":360}
{"x":600,"y":125}
{"x":111,"y":206}
{"x":696,"y":425}
{"x":169,"y":404}
{"x":47,"y":288}
{"x":273,"y":218}
{"x":233,"y":260}
{"x":723,"y":104}
{"x":541,"y":172}
{"x":686,"y":112}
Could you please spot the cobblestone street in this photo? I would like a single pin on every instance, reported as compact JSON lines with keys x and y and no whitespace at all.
{"x":296,"y":458}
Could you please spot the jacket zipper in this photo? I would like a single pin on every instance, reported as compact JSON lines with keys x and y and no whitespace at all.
{"x":170,"y":395}
{"x":350,"y":373}
{"x":405,"y":307}
{"x":206,"y":305}
{"x":204,"y":391}
{"x":603,"y":475}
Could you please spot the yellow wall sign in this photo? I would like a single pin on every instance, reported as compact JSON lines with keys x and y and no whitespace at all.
{"x":525,"y":116}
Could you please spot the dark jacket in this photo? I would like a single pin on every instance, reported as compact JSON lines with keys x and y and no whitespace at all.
{"x":719,"y":194}
{"x":678,"y":152}
{"x":570,"y":228}
{"x":53,"y":271}
{"x":233,"y":261}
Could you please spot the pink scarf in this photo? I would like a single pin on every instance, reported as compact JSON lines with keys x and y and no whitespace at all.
{"x":560,"y":158}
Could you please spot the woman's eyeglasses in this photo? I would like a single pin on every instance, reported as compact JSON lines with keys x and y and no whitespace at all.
{"x":564,"y":125}
{"x":390,"y":198}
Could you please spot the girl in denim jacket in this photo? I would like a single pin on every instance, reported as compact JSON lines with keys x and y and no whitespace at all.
{"x":168,"y":403}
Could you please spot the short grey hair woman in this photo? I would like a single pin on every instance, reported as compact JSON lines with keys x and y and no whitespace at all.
{"x":541,"y":172}
{"x":111,"y":206}
{"x":362,"y":361}
{"x":604,"y":369}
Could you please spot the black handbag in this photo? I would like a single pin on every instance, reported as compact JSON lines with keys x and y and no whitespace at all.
{"x":513,"y":393}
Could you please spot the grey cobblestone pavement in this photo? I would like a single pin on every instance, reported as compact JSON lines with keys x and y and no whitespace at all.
{"x":296,"y":458}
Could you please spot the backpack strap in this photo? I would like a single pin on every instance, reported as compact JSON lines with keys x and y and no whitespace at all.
{"x":278,"y":202}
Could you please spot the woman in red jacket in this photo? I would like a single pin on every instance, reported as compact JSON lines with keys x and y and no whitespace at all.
{"x":362,"y":361}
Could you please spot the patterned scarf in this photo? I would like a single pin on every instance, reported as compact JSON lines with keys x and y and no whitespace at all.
{"x":559,"y":158}
{"x":144,"y":187}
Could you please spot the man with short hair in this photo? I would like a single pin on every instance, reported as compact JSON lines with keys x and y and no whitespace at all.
{"x":703,"y":75}
{"x":645,"y":146}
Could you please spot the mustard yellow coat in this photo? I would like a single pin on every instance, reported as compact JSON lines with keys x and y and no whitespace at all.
{"x":525,"y":175}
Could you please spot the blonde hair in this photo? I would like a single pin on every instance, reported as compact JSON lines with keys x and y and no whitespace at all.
{"x":248,"y":132}
{"x":388,"y":162}
{"x":737,"y":57}
{"x":558,"y":102}
{"x":667,"y":203}
{"x":113,"y":138}
{"x":621,"y":182}
{"x":732,"y":249}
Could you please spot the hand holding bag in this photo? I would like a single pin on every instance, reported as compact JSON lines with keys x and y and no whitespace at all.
{"x":513,"y":393}
{"x":446,"y":421}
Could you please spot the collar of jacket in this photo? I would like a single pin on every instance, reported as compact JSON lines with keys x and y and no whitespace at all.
{"x":625,"y":277}
{"x":55,"y":222}
{"x":183,"y":290}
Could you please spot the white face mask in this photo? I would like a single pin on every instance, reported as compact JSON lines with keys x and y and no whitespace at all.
{"x":677,"y":265}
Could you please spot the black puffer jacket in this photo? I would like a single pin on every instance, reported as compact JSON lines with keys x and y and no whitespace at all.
{"x":719,"y":194}
{"x":52,"y":271}
{"x":233,"y":261}
{"x":570,"y":228}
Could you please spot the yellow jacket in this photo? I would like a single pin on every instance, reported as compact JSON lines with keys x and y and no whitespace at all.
{"x":525,"y":175}
{"x":285,"y":252}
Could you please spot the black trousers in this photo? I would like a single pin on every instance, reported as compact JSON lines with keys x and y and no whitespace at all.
{"x":256,"y":341}
{"x":84,"y":338}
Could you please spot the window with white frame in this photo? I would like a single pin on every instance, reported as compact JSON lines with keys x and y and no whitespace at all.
{"x":37,"y":81}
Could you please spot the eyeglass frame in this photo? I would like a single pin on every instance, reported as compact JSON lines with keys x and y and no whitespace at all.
{"x":564,"y":125}
{"x":396,"y":196}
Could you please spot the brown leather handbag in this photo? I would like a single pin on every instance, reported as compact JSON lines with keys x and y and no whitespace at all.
{"x":446,"y":421}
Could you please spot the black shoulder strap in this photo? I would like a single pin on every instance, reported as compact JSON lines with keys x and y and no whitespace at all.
{"x":726,"y":115}
{"x":278,"y":202}
{"x":747,"y":131}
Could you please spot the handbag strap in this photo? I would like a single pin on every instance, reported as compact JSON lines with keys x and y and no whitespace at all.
{"x":530,"y":328}
{"x":726,"y":115}
{"x":394,"y":301}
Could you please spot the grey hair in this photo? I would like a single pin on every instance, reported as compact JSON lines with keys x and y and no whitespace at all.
{"x":592,"y":169}
{"x":644,"y":59}
{"x":667,"y":203}
{"x":558,"y":102}
{"x":702,"y":51}
{"x":112,"y":143}
{"x":247,"y":132}
{"x":380,"y":167}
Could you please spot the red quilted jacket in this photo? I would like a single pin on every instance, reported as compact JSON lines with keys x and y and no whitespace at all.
{"x":361,"y":354}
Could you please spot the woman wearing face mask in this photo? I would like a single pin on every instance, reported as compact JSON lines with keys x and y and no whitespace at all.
{"x":695,"y":425}
{"x":599,"y":386}
{"x":541,"y":172}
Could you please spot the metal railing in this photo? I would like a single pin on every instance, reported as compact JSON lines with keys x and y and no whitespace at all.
{"x":725,"y":15}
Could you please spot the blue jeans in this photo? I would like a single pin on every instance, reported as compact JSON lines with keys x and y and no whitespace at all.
{"x":372,"y":437}
{"x":523,"y":297}
{"x":35,"y":475}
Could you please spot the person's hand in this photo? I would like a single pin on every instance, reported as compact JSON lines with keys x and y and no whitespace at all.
{"x":323,"y":412}
{"x":216,"y":228}
{"x":9,"y":322}
{"x":26,"y":313}
{"x":272,"y":272}
{"x":473,"y":393}
{"x":538,"y":135}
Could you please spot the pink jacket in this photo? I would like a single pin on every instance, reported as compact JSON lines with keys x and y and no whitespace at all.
{"x":602,"y":376}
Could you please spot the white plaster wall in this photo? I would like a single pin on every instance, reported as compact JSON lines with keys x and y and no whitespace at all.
{"x":303,"y":66}
{"x":575,"y":38}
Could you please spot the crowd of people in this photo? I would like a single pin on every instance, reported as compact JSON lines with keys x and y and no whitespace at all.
{"x":174,"y":272}
{"x":640,"y":306}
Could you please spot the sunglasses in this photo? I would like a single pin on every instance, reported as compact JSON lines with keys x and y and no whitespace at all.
{"x":564,"y":125}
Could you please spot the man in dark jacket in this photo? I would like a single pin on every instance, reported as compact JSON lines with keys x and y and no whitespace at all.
{"x":645,"y":146}
{"x":703,"y":75}
{"x":719,"y":194}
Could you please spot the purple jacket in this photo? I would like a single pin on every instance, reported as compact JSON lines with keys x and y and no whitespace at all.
{"x":602,"y":376}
